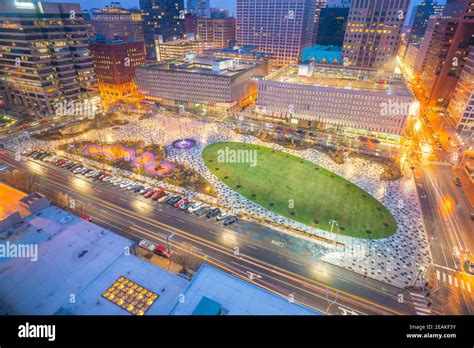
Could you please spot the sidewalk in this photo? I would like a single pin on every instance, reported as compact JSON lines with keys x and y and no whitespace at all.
{"x":466,"y":183}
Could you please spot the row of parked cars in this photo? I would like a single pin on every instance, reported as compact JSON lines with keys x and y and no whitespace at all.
{"x":154,"y":194}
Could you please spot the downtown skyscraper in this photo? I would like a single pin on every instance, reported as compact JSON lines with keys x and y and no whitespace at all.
{"x":279,"y":28}
{"x":199,"y":8}
{"x":44,"y":56}
{"x":163,"y":20}
{"x":373,"y":33}
{"x":419,"y":19}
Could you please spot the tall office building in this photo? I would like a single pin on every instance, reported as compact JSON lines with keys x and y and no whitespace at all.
{"x":448,"y":52}
{"x":332,"y":26}
{"x":44,"y":56}
{"x":320,"y":4}
{"x":219,"y":31}
{"x":218,"y":12}
{"x":163,"y":20}
{"x":199,"y":8}
{"x":461,"y":106}
{"x":115,"y":62}
{"x":373,"y":33}
{"x":115,"y":22}
{"x":419,"y":19}
{"x":280,"y":28}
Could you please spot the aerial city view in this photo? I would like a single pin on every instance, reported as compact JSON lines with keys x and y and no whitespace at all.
{"x":237,"y":157}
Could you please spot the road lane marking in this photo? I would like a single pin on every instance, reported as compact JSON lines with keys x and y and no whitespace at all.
{"x":456,"y":282}
{"x":462,"y":284}
{"x":444,"y":277}
{"x":469,"y":287}
{"x":450,"y":279}
{"x":416,"y":295}
{"x":295,"y":262}
{"x":438,"y":274}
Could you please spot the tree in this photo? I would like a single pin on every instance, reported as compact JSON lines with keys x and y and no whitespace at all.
{"x":185,"y":258}
{"x":21,"y":180}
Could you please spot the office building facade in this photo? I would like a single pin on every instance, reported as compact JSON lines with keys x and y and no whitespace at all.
{"x":163,"y":20}
{"x":449,"y":49}
{"x":44,"y":56}
{"x":117,"y":23}
{"x":218,"y":31}
{"x":350,"y":100}
{"x":332,"y":26}
{"x":280,"y":28}
{"x":178,"y":49}
{"x":114,"y":63}
{"x":373,"y":33}
{"x":419,"y":19}
{"x":461,"y":106}
{"x":200,"y":83}
{"x":199,"y":8}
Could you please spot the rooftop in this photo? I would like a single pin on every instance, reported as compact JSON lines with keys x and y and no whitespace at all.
{"x":10,"y":202}
{"x":346,"y":78}
{"x":213,"y":292}
{"x":203,"y":65}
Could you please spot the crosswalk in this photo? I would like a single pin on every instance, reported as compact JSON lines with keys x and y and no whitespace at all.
{"x":453,"y":280}
{"x":420,"y":303}
{"x":440,"y":163}
{"x":3,"y":167}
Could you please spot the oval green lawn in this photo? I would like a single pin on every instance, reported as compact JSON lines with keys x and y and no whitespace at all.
{"x":300,"y":190}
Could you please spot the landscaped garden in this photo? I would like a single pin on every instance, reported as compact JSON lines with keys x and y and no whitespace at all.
{"x":300,"y":190}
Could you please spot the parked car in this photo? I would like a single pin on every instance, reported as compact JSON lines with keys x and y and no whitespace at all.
{"x":162,"y":251}
{"x":158,"y":194}
{"x":213,"y":213}
{"x":146,"y":190}
{"x":147,"y":245}
{"x":222,"y":216}
{"x":164,"y":198}
{"x":174,"y":199}
{"x":186,"y":205}
{"x":150,"y":193}
{"x":194,"y":207}
{"x":181,"y":202}
{"x":230,"y":220}
{"x":457,"y":182}
{"x":202,"y":210}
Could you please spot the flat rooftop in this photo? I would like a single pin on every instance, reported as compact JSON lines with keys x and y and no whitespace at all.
{"x":347,"y":79}
{"x":10,"y":202}
{"x":212,"y":289}
{"x":77,"y":258}
{"x":202,"y":65}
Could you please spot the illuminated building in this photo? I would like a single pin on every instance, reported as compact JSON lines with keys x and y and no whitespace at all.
{"x":373,"y":33}
{"x":117,"y":23}
{"x":350,"y":100}
{"x":461,"y":106}
{"x":220,"y":31}
{"x":199,"y":8}
{"x":332,"y":26}
{"x":163,"y":20}
{"x":419,"y":19}
{"x":178,"y":48}
{"x":200,"y":83}
{"x":278,"y":28}
{"x":448,"y":52}
{"x":44,"y":56}
{"x":217,"y":12}
{"x":320,"y":4}
{"x":115,"y":62}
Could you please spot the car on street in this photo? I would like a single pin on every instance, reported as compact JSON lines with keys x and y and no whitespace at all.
{"x":85,"y":217}
{"x":162,"y":251}
{"x":202,"y":210}
{"x":457,"y":182}
{"x":194,"y":207}
{"x":213,"y":213}
{"x":230,"y":220}
{"x":222,"y":216}
{"x":147,"y":245}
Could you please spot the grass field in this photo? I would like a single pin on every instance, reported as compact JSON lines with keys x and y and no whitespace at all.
{"x":300,"y":190}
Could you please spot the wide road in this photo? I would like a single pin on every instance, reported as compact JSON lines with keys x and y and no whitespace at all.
{"x":446,"y":211}
{"x":318,"y":285}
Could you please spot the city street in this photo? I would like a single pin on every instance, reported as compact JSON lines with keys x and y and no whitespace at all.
{"x":291,"y":276}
